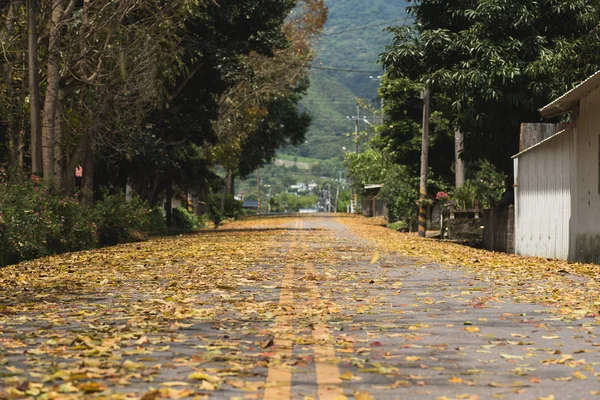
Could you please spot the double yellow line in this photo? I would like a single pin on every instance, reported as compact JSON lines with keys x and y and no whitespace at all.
{"x":279,"y":377}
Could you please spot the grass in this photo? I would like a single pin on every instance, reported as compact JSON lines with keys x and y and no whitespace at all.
{"x":289,"y":157}
{"x":397,"y":225}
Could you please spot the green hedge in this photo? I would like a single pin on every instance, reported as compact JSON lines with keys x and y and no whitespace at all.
{"x":36,"y":220}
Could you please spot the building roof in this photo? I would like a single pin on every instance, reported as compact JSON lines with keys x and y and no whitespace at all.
{"x":540,"y":143}
{"x":374,"y":185}
{"x":250,"y":204}
{"x":569,"y":100}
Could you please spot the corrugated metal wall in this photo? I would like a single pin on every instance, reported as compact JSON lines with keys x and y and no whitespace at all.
{"x":587,"y":199}
{"x":543,"y":198}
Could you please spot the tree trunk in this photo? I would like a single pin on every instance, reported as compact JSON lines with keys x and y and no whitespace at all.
{"x":459,"y":166}
{"x":424,"y":165}
{"x":88,"y":175}
{"x":224,"y":194}
{"x":14,"y":119}
{"x":16,"y":129}
{"x":228,"y":190}
{"x":58,"y":138}
{"x":169,"y":204}
{"x":34,"y":90}
{"x":51,"y":98}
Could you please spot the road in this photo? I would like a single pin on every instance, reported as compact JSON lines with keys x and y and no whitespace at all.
{"x":290,"y":308}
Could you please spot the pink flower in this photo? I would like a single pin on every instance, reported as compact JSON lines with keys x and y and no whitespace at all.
{"x":442,"y":196}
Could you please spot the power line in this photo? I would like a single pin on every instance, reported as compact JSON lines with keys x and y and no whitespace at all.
{"x":212,"y":47}
{"x":362,"y":27}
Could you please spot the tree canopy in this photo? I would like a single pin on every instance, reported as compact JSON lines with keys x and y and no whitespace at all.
{"x":497,"y":61}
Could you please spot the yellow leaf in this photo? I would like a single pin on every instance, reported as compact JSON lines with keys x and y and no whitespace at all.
{"x":206,"y":385}
{"x":511,"y":357}
{"x":412,"y":358}
{"x":67,"y":388}
{"x":472,"y":329}
{"x":201,"y":376}
{"x":132,"y":366}
{"x":550,"y":337}
{"x":175,"y":383}
{"x":579,"y":375}
{"x":375,"y":257}
{"x":456,"y":379}
{"x":347,"y":376}
{"x":92,"y":387}
{"x":363,"y":396}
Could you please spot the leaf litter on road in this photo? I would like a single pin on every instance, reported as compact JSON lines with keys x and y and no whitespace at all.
{"x":196,"y":316}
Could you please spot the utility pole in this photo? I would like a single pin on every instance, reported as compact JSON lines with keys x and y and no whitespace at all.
{"x":337,"y":192}
{"x":459,"y":163}
{"x":356,"y":118}
{"x":258,"y":190}
{"x":424,"y":162}
{"x":356,"y":127}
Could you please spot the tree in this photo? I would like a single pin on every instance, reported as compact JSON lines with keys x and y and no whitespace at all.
{"x":244,"y":109}
{"x":401,"y":134}
{"x":497,"y":61}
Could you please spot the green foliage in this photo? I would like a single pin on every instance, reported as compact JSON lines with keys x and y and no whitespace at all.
{"x":36,"y":220}
{"x":121,"y":221}
{"x":486,"y":187}
{"x":401,"y":135}
{"x":498,"y":62}
{"x":398,"y":225}
{"x":76,"y":231}
{"x":286,"y":202}
{"x":157,"y":224}
{"x":233,"y":207}
{"x":465,"y":196}
{"x":368,"y":167}
{"x":185,"y":220}
{"x":400,"y":193}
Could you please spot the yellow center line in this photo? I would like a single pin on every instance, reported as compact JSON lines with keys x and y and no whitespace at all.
{"x":279,"y":377}
{"x":329,"y":383}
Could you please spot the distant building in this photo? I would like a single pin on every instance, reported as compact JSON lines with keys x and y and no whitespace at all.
{"x":308,"y":210}
{"x":557,"y":180}
{"x":250,"y":205}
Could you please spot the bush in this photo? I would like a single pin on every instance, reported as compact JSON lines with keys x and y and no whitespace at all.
{"x":486,"y":188}
{"x":75,"y":230}
{"x":37,"y":220}
{"x":157,"y":222}
{"x":121,"y":221}
{"x":25,"y":219}
{"x":185,"y":220}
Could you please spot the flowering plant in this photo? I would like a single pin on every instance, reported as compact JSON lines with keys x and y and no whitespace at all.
{"x":442,"y":196}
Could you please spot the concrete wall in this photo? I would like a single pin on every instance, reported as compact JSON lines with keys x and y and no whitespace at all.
{"x":586,"y":230}
{"x":545,"y":180}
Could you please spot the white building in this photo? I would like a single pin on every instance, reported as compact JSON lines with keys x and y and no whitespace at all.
{"x":557,"y":193}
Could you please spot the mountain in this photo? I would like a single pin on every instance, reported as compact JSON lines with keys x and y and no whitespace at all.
{"x":353,"y":39}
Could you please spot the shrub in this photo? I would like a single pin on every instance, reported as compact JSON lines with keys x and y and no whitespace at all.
{"x":25,"y":218}
{"x":185,"y":220}
{"x":37,"y":220}
{"x":75,"y":230}
{"x":157,"y":221}
{"x":121,"y":221}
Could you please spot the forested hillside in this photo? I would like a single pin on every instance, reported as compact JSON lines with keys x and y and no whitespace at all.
{"x":352,"y":40}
